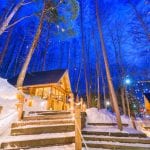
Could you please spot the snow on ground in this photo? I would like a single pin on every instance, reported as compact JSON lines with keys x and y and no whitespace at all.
{"x":7,"y":91}
{"x":99,"y":116}
{"x":5,"y":123}
{"x":103,"y":116}
{"x":7,"y":98}
{"x":7,"y":101}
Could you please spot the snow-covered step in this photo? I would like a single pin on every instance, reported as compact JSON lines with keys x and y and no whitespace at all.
{"x":147,"y":127}
{"x":48,"y":112}
{"x":48,"y":117}
{"x":41,"y":122}
{"x":112,"y":131}
{"x":106,"y":124}
{"x":40,"y":140}
{"x":27,"y":130}
{"x":117,"y":139}
{"x":117,"y":145}
{"x":117,"y":134}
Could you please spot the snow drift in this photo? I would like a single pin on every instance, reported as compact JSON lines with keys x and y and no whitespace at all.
{"x":7,"y":97}
{"x":103,"y":116}
{"x":7,"y":101}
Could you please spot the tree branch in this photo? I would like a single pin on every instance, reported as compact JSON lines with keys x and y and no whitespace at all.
{"x":27,"y":3}
{"x":18,"y":21}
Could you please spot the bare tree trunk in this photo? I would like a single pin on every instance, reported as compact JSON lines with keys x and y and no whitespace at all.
{"x":97,"y":73}
{"x":9,"y":18}
{"x":123,"y":100}
{"x":84,"y":61}
{"x":120,"y":66}
{"x":128,"y":104}
{"x":98,"y":87}
{"x":104,"y":88}
{"x":109,"y":79}
{"x":4,"y":51}
{"x":78,"y":79}
{"x":29,"y":56}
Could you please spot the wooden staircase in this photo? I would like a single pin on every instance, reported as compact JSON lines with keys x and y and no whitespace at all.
{"x":100,"y":136}
{"x":37,"y":130}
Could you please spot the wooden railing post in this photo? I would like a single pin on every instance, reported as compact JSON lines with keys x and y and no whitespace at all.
{"x":78,"y":141}
{"x":72,"y":106}
{"x":20,"y":111}
{"x":20,"y":103}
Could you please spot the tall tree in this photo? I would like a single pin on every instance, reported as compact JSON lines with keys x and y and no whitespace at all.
{"x":84,"y":58}
{"x":50,"y":13}
{"x":97,"y":71}
{"x":34,"y":44}
{"x":109,"y":79}
{"x":117,"y":38}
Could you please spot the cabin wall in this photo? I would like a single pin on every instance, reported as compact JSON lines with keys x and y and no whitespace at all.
{"x":56,"y":95}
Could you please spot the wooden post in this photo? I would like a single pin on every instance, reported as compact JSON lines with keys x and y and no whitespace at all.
{"x":72,"y":105}
{"x":128,"y":105}
{"x":81,"y":101}
{"x":20,"y":97}
{"x":78,"y":141}
{"x":20,"y":111}
{"x":1,"y":107}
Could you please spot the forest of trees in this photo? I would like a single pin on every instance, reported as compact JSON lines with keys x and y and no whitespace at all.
{"x":101,"y":42}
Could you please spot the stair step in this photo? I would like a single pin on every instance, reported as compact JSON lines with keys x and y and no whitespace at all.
{"x":48,"y":112}
{"x":147,"y":128}
{"x":28,"y":130}
{"x":41,"y":122}
{"x":48,"y":117}
{"x":41,"y":140}
{"x":117,"y":139}
{"x":117,"y":134}
{"x":116,"y":145}
{"x":106,"y":124}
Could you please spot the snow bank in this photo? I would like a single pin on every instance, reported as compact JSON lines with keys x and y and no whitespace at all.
{"x":99,"y":116}
{"x":7,"y":101}
{"x":7,"y":98}
{"x":7,"y":91}
{"x":6,"y":121}
{"x":103,"y":116}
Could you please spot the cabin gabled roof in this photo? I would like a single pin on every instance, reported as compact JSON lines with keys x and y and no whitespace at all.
{"x":42,"y":77}
{"x":147,"y":95}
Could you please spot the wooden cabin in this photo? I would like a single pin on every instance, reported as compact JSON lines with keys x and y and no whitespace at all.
{"x":53,"y":86}
{"x":147,"y":102}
